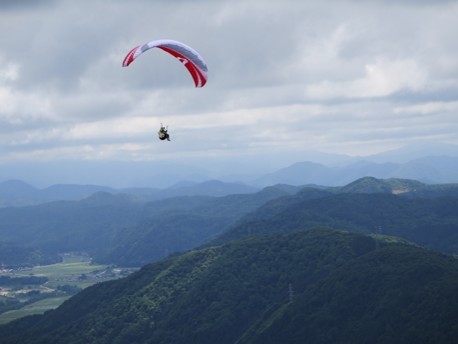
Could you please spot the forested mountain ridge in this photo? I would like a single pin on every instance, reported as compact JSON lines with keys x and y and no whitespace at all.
{"x":419,"y":214}
{"x":371,"y":300}
{"x":15,"y":255}
{"x":316,"y":286}
{"x":404,"y":187}
{"x":119,"y":229}
{"x":171,"y":228}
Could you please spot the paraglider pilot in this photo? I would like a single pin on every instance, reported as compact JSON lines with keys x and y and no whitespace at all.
{"x":163,"y":134}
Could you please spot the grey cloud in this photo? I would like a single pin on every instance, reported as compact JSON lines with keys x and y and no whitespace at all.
{"x":262,"y":57}
{"x":25,"y":4}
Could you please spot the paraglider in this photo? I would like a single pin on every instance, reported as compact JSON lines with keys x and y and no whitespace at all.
{"x":163,"y":133}
{"x":190,"y":58}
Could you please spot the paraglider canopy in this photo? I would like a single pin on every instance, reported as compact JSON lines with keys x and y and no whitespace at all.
{"x":190,"y":58}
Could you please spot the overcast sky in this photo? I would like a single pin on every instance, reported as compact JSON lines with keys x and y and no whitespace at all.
{"x":349,"y":77}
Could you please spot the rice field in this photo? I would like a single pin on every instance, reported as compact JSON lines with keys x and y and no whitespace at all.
{"x":74,"y":270}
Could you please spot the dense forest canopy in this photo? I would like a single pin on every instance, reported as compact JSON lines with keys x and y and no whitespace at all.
{"x":318,"y":286}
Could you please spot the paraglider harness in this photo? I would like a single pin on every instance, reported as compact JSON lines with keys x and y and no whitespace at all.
{"x":163,"y":135}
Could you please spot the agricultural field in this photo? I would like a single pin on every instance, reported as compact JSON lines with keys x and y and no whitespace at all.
{"x":35,"y":290}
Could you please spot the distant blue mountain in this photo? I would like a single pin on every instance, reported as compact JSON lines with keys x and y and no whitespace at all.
{"x":416,"y":151}
{"x":18,"y":193}
{"x":431,"y":163}
{"x":432,"y":170}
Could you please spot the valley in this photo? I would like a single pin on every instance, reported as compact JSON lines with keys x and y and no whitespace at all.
{"x":28,"y":291}
{"x":248,"y":268}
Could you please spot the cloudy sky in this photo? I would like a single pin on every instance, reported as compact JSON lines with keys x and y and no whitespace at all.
{"x":340,"y":76}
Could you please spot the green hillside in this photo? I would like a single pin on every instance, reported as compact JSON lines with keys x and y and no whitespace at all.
{"x":397,"y":186}
{"x":317,"y":286}
{"x":14,"y":255}
{"x":429,"y":222}
{"x":116,"y":229}
{"x":393,"y":295}
{"x":374,"y":185}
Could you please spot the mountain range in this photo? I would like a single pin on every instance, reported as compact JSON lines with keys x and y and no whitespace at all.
{"x":432,"y":170}
{"x":125,"y":230}
{"x":428,"y":162}
{"x":315,"y":286}
{"x":367,"y":262}
{"x":120,"y":229}
{"x":19,"y":193}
